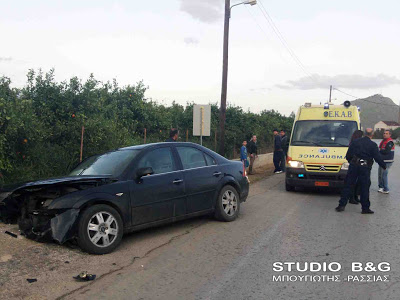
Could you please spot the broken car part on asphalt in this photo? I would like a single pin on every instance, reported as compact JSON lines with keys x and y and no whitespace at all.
{"x":84,"y":276}
{"x":31,"y":280}
{"x":11,"y":234}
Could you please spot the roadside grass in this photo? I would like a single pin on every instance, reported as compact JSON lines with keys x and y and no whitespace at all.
{"x":261,"y":173}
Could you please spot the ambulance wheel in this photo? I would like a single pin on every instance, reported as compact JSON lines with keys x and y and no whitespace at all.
{"x":289,"y":188}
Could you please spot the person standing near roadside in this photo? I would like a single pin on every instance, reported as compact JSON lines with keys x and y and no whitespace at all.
{"x":173,"y":135}
{"x":361,"y":155}
{"x":386,"y":149}
{"x":252,"y":147}
{"x":278,"y":152}
{"x":285,"y":148}
{"x":243,"y":154}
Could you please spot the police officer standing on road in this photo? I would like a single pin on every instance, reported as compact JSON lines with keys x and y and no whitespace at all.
{"x":361,"y":155}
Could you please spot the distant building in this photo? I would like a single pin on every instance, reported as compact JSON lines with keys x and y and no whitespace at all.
{"x":386,"y":125}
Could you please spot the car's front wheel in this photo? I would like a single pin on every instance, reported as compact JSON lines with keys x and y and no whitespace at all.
{"x":100,"y":229}
{"x":228,"y":204}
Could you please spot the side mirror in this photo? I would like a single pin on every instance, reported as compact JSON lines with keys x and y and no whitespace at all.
{"x":144,"y":172}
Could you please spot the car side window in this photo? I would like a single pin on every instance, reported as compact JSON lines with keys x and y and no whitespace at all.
{"x":160,"y":160}
{"x":210,"y":160}
{"x":191,"y":157}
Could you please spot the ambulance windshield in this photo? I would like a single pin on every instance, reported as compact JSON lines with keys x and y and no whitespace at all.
{"x":323,"y":133}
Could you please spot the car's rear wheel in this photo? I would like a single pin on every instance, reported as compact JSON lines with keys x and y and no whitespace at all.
{"x":100,"y":229}
{"x":228,"y":204}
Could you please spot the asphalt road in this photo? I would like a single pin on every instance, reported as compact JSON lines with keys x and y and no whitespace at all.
{"x":206,"y":259}
{"x":213,"y":260}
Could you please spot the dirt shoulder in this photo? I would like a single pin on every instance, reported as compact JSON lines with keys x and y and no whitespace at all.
{"x":261,"y":173}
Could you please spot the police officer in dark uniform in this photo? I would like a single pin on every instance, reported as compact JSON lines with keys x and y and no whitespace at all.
{"x":361,"y":155}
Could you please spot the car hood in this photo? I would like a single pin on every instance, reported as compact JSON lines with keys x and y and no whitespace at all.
{"x":7,"y":190}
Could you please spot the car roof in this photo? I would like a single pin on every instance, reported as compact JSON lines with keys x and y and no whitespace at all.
{"x":140,"y":147}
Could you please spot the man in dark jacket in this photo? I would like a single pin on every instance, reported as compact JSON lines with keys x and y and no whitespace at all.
{"x":252,"y":150}
{"x":278,"y":152}
{"x":361,"y":155}
{"x":285,"y":148}
{"x":173,"y":135}
{"x":386,"y":149}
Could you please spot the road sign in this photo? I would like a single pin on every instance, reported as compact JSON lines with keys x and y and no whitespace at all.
{"x":201,"y":120}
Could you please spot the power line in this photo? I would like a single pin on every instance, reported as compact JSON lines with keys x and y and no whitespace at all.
{"x":266,"y":34}
{"x":294,"y":56}
{"x":284,"y":42}
{"x":346,"y":93}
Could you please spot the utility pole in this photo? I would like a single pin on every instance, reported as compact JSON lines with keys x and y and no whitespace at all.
{"x":80,"y":156}
{"x":330,"y":94}
{"x":222,"y":110}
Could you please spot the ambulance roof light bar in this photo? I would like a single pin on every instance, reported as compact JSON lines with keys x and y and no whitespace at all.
{"x":307,"y":104}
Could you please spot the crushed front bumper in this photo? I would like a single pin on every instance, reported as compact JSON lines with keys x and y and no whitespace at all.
{"x":49,"y":225}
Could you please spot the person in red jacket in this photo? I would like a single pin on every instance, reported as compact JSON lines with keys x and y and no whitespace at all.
{"x":386,"y":149}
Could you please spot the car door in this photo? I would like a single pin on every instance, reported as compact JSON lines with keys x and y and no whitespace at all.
{"x":160,"y":195}
{"x":201,"y":174}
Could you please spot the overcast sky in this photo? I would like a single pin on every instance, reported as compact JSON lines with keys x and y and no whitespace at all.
{"x":175,"y":47}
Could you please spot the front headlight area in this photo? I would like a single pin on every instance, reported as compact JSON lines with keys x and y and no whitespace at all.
{"x":296,"y":164}
{"x":345,"y":166}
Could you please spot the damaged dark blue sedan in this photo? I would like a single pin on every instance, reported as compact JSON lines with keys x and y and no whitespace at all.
{"x":126,"y":190}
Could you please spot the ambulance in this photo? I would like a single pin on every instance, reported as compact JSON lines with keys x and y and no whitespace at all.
{"x":319,"y":141}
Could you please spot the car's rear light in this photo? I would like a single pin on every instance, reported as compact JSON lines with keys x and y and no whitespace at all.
{"x":288,"y":158}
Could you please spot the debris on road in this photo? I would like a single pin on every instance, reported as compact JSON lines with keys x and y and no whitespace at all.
{"x":84,"y":276}
{"x":30,"y":280}
{"x":11,"y":234}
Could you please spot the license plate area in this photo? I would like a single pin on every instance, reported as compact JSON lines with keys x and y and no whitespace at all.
{"x":321,"y":183}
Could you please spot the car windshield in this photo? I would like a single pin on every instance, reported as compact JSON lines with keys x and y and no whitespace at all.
{"x":323,"y":133}
{"x":112,"y":163}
